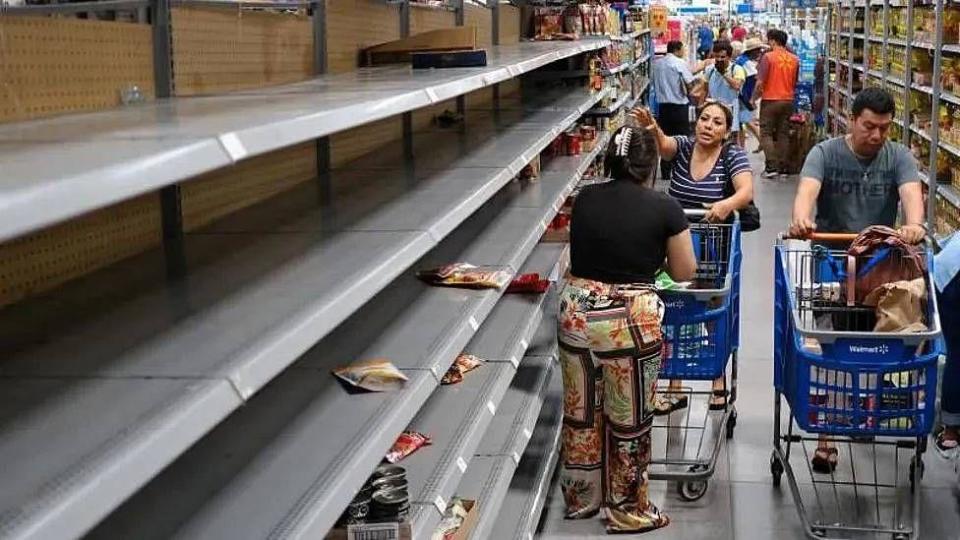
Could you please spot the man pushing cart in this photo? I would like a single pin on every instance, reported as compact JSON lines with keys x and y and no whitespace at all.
{"x":852,"y":377}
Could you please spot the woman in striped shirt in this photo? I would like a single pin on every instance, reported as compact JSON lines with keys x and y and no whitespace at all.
{"x":703,"y":166}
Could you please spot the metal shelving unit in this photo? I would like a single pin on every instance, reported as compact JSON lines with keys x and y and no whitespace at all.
{"x":907,"y":86}
{"x":335,"y":438}
{"x":210,"y":395}
{"x":110,"y":156}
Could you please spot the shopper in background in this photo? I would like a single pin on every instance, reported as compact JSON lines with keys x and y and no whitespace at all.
{"x":723,"y":33}
{"x":703,"y":168}
{"x":856,"y":181}
{"x":776,"y":88}
{"x":946,"y":278}
{"x":705,"y":40}
{"x":724,"y":79}
{"x":749,"y":60}
{"x":739,"y":32}
{"x":610,"y":333}
{"x":672,"y":82}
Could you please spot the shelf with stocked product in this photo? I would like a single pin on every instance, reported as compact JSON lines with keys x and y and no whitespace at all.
{"x":913,"y":50}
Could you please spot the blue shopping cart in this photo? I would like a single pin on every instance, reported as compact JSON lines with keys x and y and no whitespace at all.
{"x":869,"y":395}
{"x":701,"y":334}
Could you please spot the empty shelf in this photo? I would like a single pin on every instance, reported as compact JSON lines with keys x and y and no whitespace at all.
{"x":109,"y":156}
{"x":457,"y":416}
{"x":488,"y":477}
{"x":283,"y":469}
{"x":520,"y":512}
{"x":510,"y":431}
{"x":262,"y":288}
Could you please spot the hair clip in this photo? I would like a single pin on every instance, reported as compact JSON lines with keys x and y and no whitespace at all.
{"x":623,"y":141}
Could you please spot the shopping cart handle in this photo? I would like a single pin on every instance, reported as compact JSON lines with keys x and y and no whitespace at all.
{"x":695,"y":212}
{"x":823,"y":237}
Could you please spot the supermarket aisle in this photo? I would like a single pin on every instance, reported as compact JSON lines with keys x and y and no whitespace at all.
{"x":741,"y":502}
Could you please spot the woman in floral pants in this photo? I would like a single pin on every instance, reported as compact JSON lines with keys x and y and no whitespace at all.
{"x":610,"y":334}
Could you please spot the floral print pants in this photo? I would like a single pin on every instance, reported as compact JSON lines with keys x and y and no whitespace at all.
{"x":610,"y":353}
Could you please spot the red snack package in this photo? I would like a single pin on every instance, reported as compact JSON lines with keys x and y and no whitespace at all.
{"x":407,"y":443}
{"x":529,"y":283}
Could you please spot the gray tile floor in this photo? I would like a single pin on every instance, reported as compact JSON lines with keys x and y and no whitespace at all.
{"x":741,"y":502}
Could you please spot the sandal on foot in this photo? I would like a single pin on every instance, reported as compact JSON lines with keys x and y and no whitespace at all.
{"x":624,"y":522}
{"x":946,"y":447}
{"x":720,"y":405}
{"x":825,"y":460}
{"x":669,"y":404}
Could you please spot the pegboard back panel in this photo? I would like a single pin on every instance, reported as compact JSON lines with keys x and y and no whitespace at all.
{"x":422,"y":20}
{"x":219,"y":50}
{"x":38,"y":262}
{"x":509,"y":24}
{"x":353,"y":25}
{"x":482,"y":20}
{"x":218,"y":193}
{"x":353,"y":143}
{"x":50,"y":66}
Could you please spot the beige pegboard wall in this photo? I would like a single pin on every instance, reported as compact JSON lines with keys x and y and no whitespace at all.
{"x":50,"y":66}
{"x":353,"y":143}
{"x":40,"y":261}
{"x":424,"y":19}
{"x":218,"y":50}
{"x":353,"y":25}
{"x":253,"y":180}
{"x":481,"y":19}
{"x":509,"y":24}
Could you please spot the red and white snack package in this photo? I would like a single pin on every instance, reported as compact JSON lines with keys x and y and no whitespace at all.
{"x":407,"y":443}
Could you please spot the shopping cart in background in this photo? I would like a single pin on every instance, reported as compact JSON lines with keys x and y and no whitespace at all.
{"x":701,"y":333}
{"x":869,"y":394}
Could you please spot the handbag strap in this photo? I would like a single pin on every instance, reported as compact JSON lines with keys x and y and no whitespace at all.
{"x":851,"y":280}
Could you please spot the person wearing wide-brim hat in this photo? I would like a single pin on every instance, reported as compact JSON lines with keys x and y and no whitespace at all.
{"x":749,"y":59}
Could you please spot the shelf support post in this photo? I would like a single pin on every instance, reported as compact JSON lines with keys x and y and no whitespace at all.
{"x":171,"y":211}
{"x":495,"y":40}
{"x":935,"y":120}
{"x":406,"y":118}
{"x":908,"y":79}
{"x":459,"y":21}
{"x":319,"y":24}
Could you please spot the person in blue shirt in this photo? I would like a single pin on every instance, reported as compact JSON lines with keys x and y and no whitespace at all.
{"x":946,"y":278}
{"x":705,"y":39}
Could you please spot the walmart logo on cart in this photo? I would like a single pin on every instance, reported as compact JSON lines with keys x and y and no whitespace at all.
{"x":876,"y":349}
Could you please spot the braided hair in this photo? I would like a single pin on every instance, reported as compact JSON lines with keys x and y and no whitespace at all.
{"x":632,"y":154}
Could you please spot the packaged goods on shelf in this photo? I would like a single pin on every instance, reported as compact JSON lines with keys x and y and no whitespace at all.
{"x":375,"y":375}
{"x":407,"y":443}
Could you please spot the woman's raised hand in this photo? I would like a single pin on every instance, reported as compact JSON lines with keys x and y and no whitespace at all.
{"x":644,"y":117}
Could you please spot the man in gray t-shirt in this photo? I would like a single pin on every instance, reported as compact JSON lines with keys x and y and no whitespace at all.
{"x":858,"y":180}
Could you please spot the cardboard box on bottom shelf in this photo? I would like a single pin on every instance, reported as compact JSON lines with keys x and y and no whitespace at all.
{"x":402,"y":531}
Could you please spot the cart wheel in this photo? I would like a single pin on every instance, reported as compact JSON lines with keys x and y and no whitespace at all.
{"x":731,"y":424}
{"x":901,"y":536}
{"x":692,"y":490}
{"x":914,"y":477}
{"x":776,"y":469}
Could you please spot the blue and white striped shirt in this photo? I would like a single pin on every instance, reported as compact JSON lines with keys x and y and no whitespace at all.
{"x":694,"y":193}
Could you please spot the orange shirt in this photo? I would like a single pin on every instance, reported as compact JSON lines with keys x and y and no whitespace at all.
{"x":778,"y":70}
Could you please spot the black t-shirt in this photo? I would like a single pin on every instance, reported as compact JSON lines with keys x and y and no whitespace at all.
{"x":619,"y":232}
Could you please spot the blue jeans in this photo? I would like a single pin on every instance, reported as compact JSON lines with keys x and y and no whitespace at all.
{"x":949,"y":303}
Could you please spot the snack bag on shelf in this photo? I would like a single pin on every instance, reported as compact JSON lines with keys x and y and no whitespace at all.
{"x":407,"y":443}
{"x":375,"y":375}
{"x":453,"y":519}
{"x":460,"y":367}
{"x":465,"y":275}
{"x":528,"y":283}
